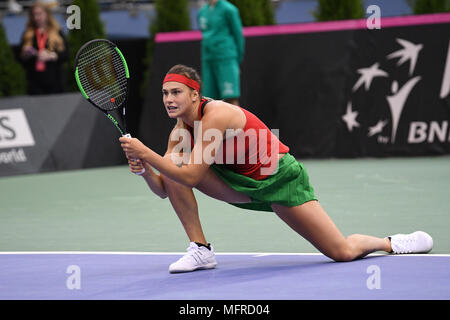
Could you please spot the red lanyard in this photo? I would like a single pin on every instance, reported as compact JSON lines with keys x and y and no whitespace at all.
{"x":41,"y":39}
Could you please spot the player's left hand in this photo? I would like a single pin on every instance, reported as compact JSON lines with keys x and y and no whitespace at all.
{"x":133,"y":148}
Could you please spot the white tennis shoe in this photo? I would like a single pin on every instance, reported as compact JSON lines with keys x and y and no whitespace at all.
{"x":197,"y":257}
{"x":416,"y":242}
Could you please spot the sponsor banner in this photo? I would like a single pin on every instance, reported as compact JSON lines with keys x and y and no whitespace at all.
{"x":398,"y":102}
{"x":14,"y":129}
{"x":333,"y":90}
{"x":57,"y":132}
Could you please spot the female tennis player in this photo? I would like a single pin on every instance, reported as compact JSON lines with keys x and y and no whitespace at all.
{"x":235,"y":158}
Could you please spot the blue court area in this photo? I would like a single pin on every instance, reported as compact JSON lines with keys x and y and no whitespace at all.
{"x":124,"y":276}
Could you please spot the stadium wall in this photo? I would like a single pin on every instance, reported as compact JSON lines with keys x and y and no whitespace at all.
{"x":55,"y":132}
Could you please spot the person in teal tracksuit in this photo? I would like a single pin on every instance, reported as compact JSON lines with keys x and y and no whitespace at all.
{"x":222,"y":50}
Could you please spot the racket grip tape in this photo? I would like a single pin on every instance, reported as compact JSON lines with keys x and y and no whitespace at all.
{"x":143,"y":169}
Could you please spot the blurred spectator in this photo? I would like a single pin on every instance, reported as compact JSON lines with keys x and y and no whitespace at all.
{"x":44,"y":50}
{"x":222,"y":50}
{"x":52,"y":4}
{"x":13,"y":6}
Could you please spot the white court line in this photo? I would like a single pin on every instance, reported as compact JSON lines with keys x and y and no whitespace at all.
{"x":254,"y":254}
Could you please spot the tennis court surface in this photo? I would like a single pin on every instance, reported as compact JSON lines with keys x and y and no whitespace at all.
{"x":100,"y":234}
{"x":137,"y":276}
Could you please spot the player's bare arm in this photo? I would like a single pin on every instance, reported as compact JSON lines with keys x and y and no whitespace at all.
{"x":191,"y":174}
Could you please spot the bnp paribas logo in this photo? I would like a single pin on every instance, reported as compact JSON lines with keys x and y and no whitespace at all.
{"x":406,"y":52}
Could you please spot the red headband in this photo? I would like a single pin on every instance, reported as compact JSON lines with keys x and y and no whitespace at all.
{"x":182,"y":79}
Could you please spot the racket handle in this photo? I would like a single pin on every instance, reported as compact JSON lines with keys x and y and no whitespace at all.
{"x":143,"y":169}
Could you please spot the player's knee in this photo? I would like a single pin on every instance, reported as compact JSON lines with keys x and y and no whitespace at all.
{"x":169,"y":184}
{"x":172,"y":187}
{"x":343,"y":253}
{"x":179,"y":160}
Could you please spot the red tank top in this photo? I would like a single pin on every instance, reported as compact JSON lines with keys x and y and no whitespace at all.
{"x":252,"y":151}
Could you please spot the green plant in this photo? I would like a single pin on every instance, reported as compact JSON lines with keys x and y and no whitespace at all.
{"x":429,"y":6}
{"x":91,"y":28}
{"x":329,"y":10}
{"x":268,"y":12}
{"x":12,"y":75}
{"x":255,"y":12}
{"x":171,"y":15}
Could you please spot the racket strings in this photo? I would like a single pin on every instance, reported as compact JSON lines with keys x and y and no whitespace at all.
{"x":102,"y":88}
{"x":102,"y":75}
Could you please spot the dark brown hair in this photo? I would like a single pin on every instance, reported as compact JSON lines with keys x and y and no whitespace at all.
{"x":186,"y":71}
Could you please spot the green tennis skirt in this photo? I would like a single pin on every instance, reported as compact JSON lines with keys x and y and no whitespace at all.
{"x":289,"y":186}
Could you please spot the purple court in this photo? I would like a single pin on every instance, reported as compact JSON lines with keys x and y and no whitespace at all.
{"x":144,"y":276}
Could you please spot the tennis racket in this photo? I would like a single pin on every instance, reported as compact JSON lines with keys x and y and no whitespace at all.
{"x":103,"y":78}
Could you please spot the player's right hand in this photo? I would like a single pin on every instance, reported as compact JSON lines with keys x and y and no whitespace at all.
{"x":136,"y":166}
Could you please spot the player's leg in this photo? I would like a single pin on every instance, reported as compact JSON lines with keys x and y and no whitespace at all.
{"x":216,"y":188}
{"x":200,"y":254}
{"x":312,"y":222}
{"x":209,"y":82}
{"x":184,"y":203}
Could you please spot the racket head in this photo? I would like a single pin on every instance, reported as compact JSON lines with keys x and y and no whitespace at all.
{"x":102,"y":74}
